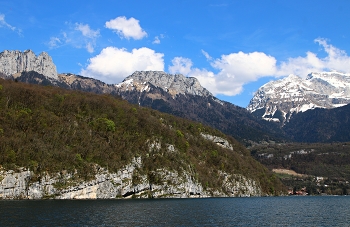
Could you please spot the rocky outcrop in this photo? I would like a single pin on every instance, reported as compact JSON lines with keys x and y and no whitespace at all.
{"x":76,"y":82}
{"x":218,"y":140}
{"x":173,"y":84}
{"x":279,"y":100}
{"x":126,"y":183}
{"x":238,"y":185}
{"x":14,"y":62}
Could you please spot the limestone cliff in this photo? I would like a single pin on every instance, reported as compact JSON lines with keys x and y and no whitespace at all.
{"x":14,"y":62}
{"x":122,"y":184}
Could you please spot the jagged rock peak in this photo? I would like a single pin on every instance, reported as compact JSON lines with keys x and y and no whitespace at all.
{"x":278,"y":100}
{"x":13,"y":62}
{"x":173,"y":84}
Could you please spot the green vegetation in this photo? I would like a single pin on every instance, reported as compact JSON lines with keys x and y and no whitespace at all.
{"x":48,"y":129}
{"x":330,"y":161}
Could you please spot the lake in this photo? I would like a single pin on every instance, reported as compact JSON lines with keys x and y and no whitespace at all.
{"x":261,"y":211}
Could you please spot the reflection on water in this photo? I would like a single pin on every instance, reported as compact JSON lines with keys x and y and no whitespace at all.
{"x":274,"y":211}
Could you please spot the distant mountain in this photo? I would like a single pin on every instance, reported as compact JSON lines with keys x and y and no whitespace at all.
{"x":185,"y":97}
{"x":173,"y":84}
{"x":174,"y":94}
{"x":279,"y":100}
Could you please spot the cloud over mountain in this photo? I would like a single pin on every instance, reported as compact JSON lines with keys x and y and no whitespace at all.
{"x":112,"y":65}
{"x":78,"y":35}
{"x":336,"y":59}
{"x":238,"y":69}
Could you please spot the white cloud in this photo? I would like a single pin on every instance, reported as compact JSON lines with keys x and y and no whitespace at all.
{"x":181,"y":65}
{"x":207,"y":56}
{"x":78,"y":35}
{"x":3,"y":23}
{"x":237,"y":69}
{"x":336,"y":59}
{"x":89,"y":47}
{"x":87,"y":31}
{"x":245,"y":66}
{"x":156,"y":40}
{"x":90,"y":36}
{"x":54,"y":42}
{"x":112,"y":65}
{"x":301,"y":66}
{"x":126,"y":28}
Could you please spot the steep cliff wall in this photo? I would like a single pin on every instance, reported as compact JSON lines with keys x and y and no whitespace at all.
{"x":12,"y":62}
{"x":126,"y":183}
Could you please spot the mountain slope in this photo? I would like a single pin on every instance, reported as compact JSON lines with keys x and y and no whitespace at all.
{"x":320,"y":125}
{"x":174,"y":94}
{"x":69,"y":137}
{"x":185,"y":97}
{"x":318,"y":167}
{"x":279,"y":100}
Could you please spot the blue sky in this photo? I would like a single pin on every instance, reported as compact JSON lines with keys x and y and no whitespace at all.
{"x":232,"y":47}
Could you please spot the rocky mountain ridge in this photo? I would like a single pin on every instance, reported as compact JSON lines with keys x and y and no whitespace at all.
{"x":184,"y":97}
{"x":279,"y":100}
{"x":13,"y":63}
{"x":173,"y":84}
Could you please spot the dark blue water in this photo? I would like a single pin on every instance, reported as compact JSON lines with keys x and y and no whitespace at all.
{"x":275,"y":211}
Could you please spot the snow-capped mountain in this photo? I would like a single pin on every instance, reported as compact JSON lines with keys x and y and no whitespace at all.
{"x":278,"y":100}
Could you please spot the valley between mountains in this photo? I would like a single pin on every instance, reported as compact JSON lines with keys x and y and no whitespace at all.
{"x":70,"y":136}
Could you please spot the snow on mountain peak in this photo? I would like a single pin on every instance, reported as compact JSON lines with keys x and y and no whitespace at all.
{"x":278,"y":100}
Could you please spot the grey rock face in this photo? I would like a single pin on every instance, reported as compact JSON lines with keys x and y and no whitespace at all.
{"x":107,"y":185}
{"x":278,"y":100}
{"x":12,"y":62}
{"x":218,"y":140}
{"x":238,"y":185}
{"x":173,"y":84}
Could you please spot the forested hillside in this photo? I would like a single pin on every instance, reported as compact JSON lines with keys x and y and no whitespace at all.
{"x":224,"y":116}
{"x":330,"y":162}
{"x":49,"y":129}
{"x":320,"y":125}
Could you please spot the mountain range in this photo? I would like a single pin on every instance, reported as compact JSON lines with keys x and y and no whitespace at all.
{"x":282,"y":110}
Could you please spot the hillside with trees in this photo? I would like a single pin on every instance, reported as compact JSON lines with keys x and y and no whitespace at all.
{"x":226,"y":117}
{"x":49,"y":129}
{"x":320,"y":167}
{"x":320,"y":125}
